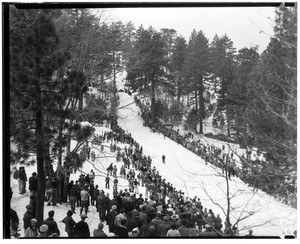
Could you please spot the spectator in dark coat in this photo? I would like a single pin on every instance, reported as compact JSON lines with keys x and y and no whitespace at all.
{"x":131,"y":223}
{"x":81,"y":228}
{"x":218,"y":222}
{"x":121,"y":230}
{"x":70,"y":186}
{"x":164,"y":226}
{"x":128,"y":205}
{"x":33,"y":183}
{"x":27,"y":216}
{"x":22,"y":180}
{"x":183,"y":230}
{"x":110,"y":218}
{"x":144,"y":231}
{"x":99,"y":232}
{"x":70,"y":224}
{"x":101,"y":205}
{"x":52,"y":225}
{"x":73,"y":197}
{"x":107,"y":201}
{"x":157,"y":221}
{"x":138,"y":221}
{"x":14,"y":223}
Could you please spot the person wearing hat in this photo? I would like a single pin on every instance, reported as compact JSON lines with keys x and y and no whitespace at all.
{"x":99,"y":232}
{"x":81,"y":228}
{"x":28,"y":216}
{"x":175,"y":219}
{"x":43,"y":231}
{"x":52,"y":225}
{"x":32,"y":231}
{"x":110,"y":218}
{"x":70,"y":224}
{"x":121,"y":229}
{"x":208,"y":231}
{"x":33,"y":183}
{"x":22,"y":178}
{"x":157,"y":221}
{"x":164,"y":226}
{"x":135,"y":232}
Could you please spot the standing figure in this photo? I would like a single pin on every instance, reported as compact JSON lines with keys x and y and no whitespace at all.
{"x":107,"y":179}
{"x":163,"y":158}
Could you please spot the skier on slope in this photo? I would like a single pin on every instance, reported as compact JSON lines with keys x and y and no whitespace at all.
{"x":163,"y":158}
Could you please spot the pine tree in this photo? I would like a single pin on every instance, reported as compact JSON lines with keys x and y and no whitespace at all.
{"x":196,"y":66}
{"x":146,"y":67}
{"x":222,"y":55}
{"x":34,"y":55}
{"x":177,"y":63}
{"x":239,"y":98}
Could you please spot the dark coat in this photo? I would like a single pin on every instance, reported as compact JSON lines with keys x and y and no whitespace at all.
{"x":110,"y":219}
{"x":52,"y":226}
{"x":130,"y":224}
{"x":128,"y":206}
{"x":70,"y":224}
{"x":107,"y":201}
{"x":22,"y":175}
{"x":33,"y":184}
{"x":121,"y":231}
{"x":164,"y":227}
{"x":26,"y":219}
{"x":144,"y":231}
{"x":82,"y":229}
{"x":183,"y":230}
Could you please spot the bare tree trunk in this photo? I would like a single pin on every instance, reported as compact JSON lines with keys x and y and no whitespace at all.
{"x":228,"y":197}
{"x":201,"y":105}
{"x":228,"y":125}
{"x":39,"y":213}
{"x":152,"y":100}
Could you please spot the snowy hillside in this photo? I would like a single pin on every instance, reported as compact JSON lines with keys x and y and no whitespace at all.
{"x":188,"y":172}
{"x":185,"y":170}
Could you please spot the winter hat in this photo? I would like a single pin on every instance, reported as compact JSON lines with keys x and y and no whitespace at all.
{"x":34,"y":173}
{"x":174,"y":217}
{"x":51,"y":213}
{"x":29,"y":206}
{"x":43,"y":228}
{"x":135,"y":230}
{"x":69,"y":213}
{"x":100,"y":226}
{"x":33,"y":220}
{"x":207,"y":226}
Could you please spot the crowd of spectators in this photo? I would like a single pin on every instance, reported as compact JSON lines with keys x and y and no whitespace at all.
{"x":257,"y":172}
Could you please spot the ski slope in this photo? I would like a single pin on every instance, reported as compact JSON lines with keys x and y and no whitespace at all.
{"x":189,"y":173}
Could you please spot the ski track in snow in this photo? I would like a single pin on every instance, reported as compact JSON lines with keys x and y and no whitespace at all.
{"x":184,"y":169}
{"x":188,"y":172}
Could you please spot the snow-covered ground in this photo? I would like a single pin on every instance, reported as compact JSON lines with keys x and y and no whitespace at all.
{"x":188,"y":172}
{"x":185,"y":170}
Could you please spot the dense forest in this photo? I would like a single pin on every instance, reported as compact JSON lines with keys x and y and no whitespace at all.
{"x":59,"y":57}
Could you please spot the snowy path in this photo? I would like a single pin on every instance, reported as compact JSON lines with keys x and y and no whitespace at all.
{"x":188,"y":172}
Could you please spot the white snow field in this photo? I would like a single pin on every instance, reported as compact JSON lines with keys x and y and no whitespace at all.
{"x":189,"y":173}
{"x":185,"y":170}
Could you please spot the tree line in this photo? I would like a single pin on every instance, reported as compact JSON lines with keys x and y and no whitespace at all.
{"x":58,"y":57}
